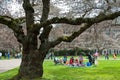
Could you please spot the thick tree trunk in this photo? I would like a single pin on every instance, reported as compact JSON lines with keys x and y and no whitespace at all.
{"x":31,"y":66}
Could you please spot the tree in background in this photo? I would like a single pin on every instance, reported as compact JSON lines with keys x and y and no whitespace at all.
{"x":33,"y":54}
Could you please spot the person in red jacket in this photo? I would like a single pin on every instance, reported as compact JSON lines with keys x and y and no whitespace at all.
{"x":72,"y":61}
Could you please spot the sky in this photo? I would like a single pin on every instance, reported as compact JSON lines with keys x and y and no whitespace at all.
{"x":65,"y":5}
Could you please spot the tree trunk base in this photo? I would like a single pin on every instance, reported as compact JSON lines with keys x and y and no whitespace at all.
{"x":18,"y":77}
{"x":31,"y":66}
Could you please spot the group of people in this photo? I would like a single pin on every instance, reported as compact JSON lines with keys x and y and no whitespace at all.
{"x":92,"y":59}
{"x":71,"y":62}
{"x":6,"y":55}
{"x":76,"y":62}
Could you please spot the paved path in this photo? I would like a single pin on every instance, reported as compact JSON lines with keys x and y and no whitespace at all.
{"x":6,"y":65}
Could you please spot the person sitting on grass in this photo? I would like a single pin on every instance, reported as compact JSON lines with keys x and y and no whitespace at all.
{"x":71,"y":63}
{"x":91,"y":59}
{"x":67,"y":63}
{"x":61,"y":61}
{"x":56,"y":60}
{"x":76,"y":62}
{"x":80,"y":59}
{"x":64,"y":59}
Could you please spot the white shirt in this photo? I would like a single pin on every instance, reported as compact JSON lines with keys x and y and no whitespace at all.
{"x":0,"y":54}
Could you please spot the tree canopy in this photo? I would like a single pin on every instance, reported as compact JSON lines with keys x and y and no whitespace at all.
{"x":81,"y":12}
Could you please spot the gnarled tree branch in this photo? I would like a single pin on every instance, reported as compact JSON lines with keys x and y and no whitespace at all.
{"x":71,"y":37}
{"x":88,"y":22}
{"x":20,"y":20}
{"x":6,"y":20}
{"x":12,"y":24}
{"x":80,"y":20}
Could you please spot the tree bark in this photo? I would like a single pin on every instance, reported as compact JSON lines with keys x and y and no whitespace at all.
{"x":31,"y":66}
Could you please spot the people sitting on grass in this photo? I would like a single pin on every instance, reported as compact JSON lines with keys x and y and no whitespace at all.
{"x":64,"y":59}
{"x":75,"y":62}
{"x":58,"y":61}
{"x":91,"y":59}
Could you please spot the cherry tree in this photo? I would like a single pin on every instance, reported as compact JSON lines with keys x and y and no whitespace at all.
{"x":86,"y":14}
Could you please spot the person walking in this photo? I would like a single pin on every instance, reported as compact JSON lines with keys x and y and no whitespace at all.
{"x":106,"y":55}
{"x":114,"y":55}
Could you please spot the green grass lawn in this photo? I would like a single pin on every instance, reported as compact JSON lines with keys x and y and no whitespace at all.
{"x":106,"y":70}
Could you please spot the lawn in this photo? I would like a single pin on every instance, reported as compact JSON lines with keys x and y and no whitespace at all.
{"x":105,"y":70}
